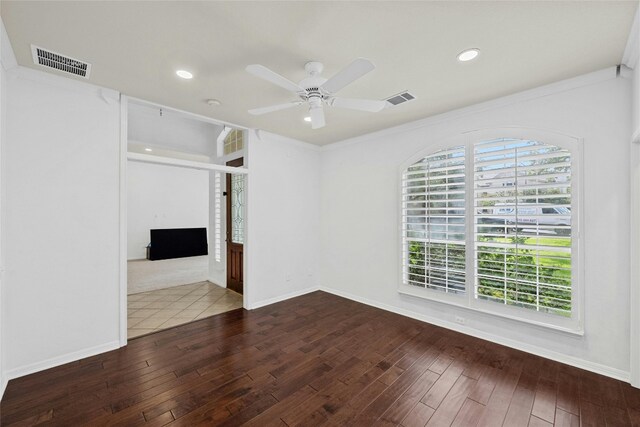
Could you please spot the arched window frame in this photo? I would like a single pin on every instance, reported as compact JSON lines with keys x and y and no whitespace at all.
{"x":573,"y":324}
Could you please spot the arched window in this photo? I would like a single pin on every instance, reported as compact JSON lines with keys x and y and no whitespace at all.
{"x":491,"y":223}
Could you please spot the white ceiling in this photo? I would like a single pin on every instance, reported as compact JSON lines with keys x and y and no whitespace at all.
{"x":135,"y":47}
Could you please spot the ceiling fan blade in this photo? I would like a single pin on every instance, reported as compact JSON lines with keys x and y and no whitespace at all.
{"x":317,"y":117}
{"x":359,"y":104}
{"x":273,"y":77}
{"x":348,"y":74}
{"x":269,"y":109}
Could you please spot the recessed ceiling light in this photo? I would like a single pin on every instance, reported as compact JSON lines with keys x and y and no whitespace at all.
{"x":468,"y":55}
{"x":148,"y":149}
{"x":307,"y":119}
{"x":184,"y":74}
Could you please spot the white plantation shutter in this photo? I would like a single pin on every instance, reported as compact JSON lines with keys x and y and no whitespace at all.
{"x":491,"y":223}
{"x":433,"y":222}
{"x":522,"y":224}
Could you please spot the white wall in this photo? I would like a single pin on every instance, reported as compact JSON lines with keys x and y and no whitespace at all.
{"x":360,"y":219}
{"x":283,"y":218}
{"x":61,"y":170}
{"x":634,"y":44}
{"x":635,"y":226}
{"x":631,"y":59}
{"x":7,"y":61}
{"x":3,"y":85}
{"x":163,"y":197}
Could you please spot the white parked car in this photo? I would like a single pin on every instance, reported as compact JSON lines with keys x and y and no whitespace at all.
{"x":529,"y":215}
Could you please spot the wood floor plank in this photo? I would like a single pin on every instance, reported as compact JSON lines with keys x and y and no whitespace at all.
{"x":612,"y":395}
{"x":448,"y":409}
{"x":469,"y":414}
{"x":485,"y":385}
{"x":537,"y":422}
{"x":161,"y":420}
{"x":568,"y":398}
{"x":591,"y":414}
{"x":391,"y":375}
{"x":590,"y":389}
{"x":549,"y":370}
{"x":616,"y":417}
{"x":376,"y":408}
{"x":522,"y":400}
{"x":544,"y":405}
{"x":498,"y":404}
{"x":369,"y":394}
{"x":350,"y":409}
{"x":278,"y":410}
{"x":634,"y":417}
{"x":418,"y":416}
{"x":440,"y":389}
{"x":477,"y":360}
{"x":334,"y":400}
{"x":631,"y":396}
{"x":441,"y":364}
{"x":401,"y":407}
{"x":316,"y":360}
{"x":566,"y":419}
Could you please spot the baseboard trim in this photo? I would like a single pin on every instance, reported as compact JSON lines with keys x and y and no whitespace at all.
{"x":60,"y":360}
{"x":290,"y":295}
{"x":538,"y":351}
{"x":3,"y":385}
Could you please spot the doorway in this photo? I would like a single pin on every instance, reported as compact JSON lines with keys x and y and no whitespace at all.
{"x":235,"y":228}
{"x":173,"y":222}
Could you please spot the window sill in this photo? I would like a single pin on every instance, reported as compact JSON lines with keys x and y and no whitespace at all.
{"x":461,"y":303}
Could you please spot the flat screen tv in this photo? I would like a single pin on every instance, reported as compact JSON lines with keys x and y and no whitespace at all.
{"x":170,"y":243}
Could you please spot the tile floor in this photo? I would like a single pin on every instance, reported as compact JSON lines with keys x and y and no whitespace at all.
{"x":163,"y":308}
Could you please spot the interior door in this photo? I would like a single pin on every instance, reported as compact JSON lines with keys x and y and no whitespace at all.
{"x":235,"y":227}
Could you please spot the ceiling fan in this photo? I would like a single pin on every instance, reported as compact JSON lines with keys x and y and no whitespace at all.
{"x":316,"y":90}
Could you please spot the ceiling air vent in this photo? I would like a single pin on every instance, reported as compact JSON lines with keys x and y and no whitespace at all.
{"x":50,"y":59}
{"x":400,"y":98}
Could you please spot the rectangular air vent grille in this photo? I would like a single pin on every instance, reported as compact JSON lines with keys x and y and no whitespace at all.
{"x":54,"y":60}
{"x":400,"y":98}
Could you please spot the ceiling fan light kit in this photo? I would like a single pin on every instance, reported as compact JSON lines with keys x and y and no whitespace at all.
{"x":317,"y":91}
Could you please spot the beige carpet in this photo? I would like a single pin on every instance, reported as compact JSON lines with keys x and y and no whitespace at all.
{"x":144,"y":275}
{"x":160,"y":309}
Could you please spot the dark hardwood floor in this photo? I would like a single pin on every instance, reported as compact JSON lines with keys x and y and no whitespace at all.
{"x":313,"y":360}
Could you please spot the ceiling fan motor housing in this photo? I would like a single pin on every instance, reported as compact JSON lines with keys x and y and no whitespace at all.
{"x":311,"y":84}
{"x":313,"y":95}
